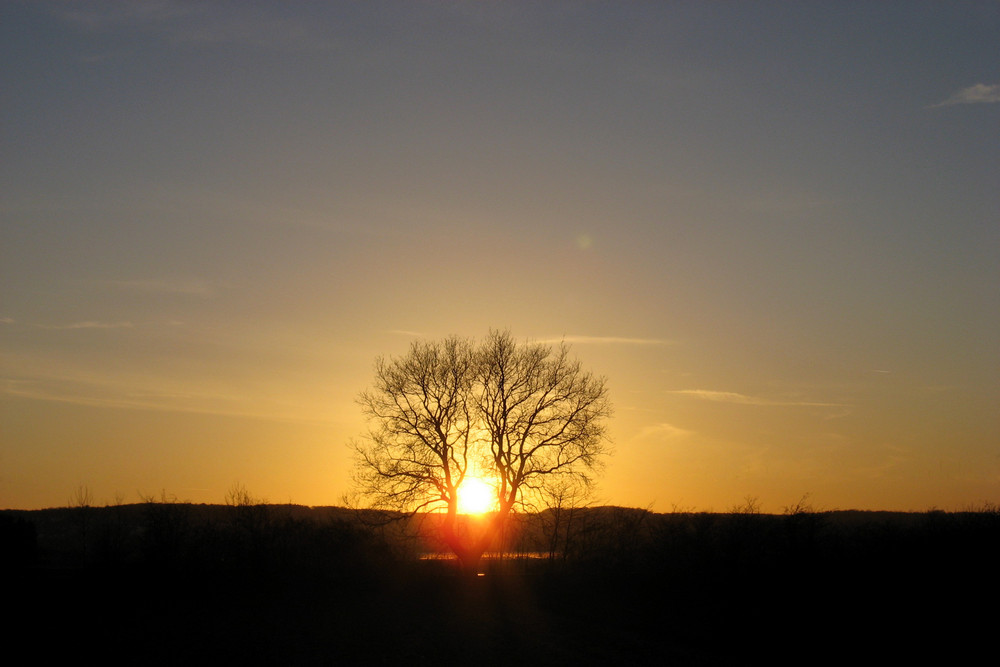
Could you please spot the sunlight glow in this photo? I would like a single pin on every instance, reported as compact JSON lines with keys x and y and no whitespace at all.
{"x":475,"y":496}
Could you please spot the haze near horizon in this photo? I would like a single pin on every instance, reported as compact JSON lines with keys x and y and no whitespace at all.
{"x":772,"y":226}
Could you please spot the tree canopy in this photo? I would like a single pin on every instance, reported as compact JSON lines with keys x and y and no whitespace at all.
{"x":519,"y":415}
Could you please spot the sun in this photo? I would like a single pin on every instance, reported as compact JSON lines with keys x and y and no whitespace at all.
{"x":475,"y":496}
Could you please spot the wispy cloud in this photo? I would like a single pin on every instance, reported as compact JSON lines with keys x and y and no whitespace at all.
{"x":743,"y":399}
{"x":85,"y":324}
{"x":405,"y":332}
{"x":61,"y":383}
{"x":89,"y":324}
{"x":607,"y":340}
{"x":980,"y":93}
{"x":99,"y":395}
{"x":662,"y":430}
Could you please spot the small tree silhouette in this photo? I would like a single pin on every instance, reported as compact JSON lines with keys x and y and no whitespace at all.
{"x":81,"y":502}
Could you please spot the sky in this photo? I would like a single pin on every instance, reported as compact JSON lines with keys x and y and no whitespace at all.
{"x":774,"y":227}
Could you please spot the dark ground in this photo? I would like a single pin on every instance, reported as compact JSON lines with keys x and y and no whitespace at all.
{"x":177,"y":585}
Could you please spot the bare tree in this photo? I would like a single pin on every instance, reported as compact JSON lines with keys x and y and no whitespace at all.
{"x":248,"y":513}
{"x":563,"y":499}
{"x":416,"y":453}
{"x":81,"y":501}
{"x":523,"y":413}
{"x":544,"y":415}
{"x":81,"y":498}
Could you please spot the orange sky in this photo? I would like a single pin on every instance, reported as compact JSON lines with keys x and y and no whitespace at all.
{"x":772,"y":226}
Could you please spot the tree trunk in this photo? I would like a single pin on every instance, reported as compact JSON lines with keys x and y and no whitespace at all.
{"x":470,"y":545}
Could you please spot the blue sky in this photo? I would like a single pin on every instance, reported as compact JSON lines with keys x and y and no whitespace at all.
{"x":773,"y":227}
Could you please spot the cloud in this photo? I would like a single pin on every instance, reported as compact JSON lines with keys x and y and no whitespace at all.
{"x":720,"y":396}
{"x":607,"y":340}
{"x":405,"y":332}
{"x":90,"y":324}
{"x":102,"y":395}
{"x":662,"y":430}
{"x":86,"y":324}
{"x":977,"y":94}
{"x":743,"y":399}
{"x":578,"y":340}
{"x":44,"y":379}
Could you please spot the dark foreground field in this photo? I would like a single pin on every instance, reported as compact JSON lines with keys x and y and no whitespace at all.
{"x":162,"y":583}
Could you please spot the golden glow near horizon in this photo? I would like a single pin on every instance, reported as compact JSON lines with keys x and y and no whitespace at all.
{"x":784,"y":296}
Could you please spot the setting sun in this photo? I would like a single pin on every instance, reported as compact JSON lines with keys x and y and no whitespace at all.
{"x":475,"y":496}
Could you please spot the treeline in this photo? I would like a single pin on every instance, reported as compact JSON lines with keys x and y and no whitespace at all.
{"x":637,"y":540}
{"x":168,"y":535}
{"x":598,"y":539}
{"x":284,"y":584}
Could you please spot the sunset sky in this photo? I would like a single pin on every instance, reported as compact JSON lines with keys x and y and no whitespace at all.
{"x":773,"y":226}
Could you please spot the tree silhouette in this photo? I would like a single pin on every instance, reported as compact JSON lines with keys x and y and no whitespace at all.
{"x":524,"y":414}
{"x":416,"y":453}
